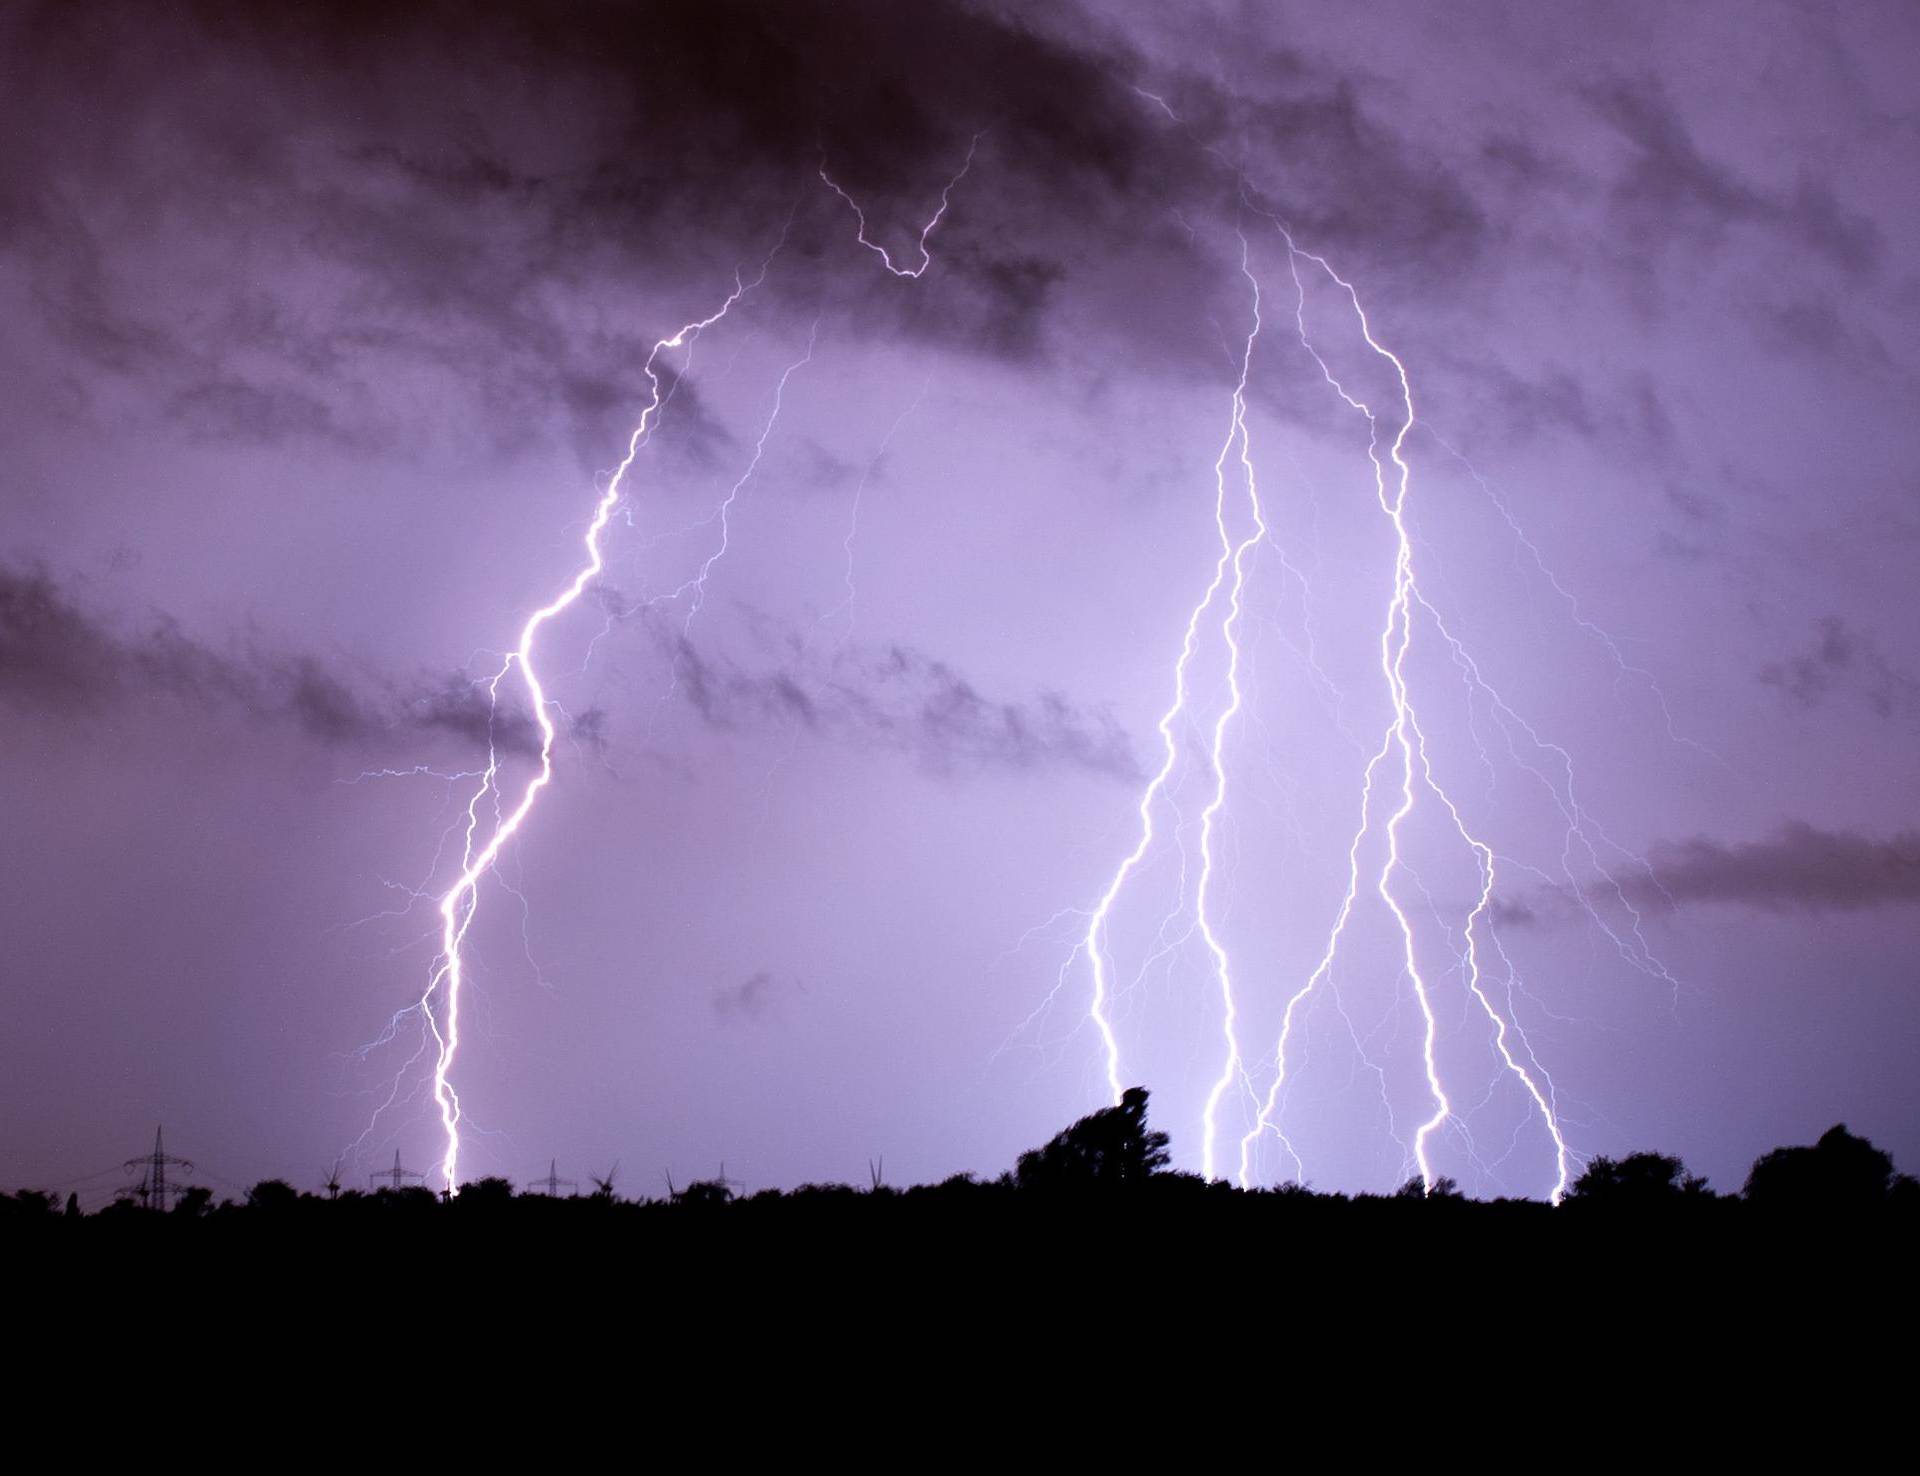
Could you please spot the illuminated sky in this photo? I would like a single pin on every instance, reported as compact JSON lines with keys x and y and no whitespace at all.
{"x":323,"y":327}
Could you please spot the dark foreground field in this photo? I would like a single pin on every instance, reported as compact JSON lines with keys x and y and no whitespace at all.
{"x":1088,"y":1307}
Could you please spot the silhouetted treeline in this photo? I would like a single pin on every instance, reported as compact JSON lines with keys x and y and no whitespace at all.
{"x":1109,"y":1163}
{"x":1084,"y":1264}
{"x":1090,"y":1286}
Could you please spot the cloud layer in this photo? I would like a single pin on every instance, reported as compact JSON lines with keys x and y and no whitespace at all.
{"x":1799,"y":868}
{"x":56,"y":658}
{"x":892,"y":698}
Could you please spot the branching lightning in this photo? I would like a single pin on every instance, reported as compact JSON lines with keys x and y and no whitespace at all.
{"x":1231,"y":561}
{"x":439,"y":1003}
{"x":483,"y":840}
{"x":1399,"y":779}
{"x":1404,"y":737}
{"x":1238,"y":437}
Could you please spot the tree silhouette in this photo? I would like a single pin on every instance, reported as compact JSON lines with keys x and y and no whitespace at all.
{"x":485,"y":1194}
{"x":1416,"y":1188}
{"x":1109,"y":1148}
{"x":33,"y":1204}
{"x":1839,"y":1173}
{"x":273,"y":1196}
{"x":1640,"y":1180}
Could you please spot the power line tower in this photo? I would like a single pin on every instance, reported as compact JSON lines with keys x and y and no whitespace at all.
{"x":552,"y":1182}
{"x":396,"y":1176}
{"x":154,"y":1189}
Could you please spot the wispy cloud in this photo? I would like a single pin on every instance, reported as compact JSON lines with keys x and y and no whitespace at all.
{"x":1842,"y":661}
{"x":1799,"y":868}
{"x":892,"y":697}
{"x":56,"y":657}
{"x":1670,"y":186}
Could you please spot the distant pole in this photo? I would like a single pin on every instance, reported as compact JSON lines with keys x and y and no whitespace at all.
{"x":396,"y":1175}
{"x":156,"y":1164}
{"x":553,"y":1181}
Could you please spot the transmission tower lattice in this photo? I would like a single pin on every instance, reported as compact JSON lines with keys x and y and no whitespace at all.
{"x":154,"y":1189}
{"x":396,"y":1176}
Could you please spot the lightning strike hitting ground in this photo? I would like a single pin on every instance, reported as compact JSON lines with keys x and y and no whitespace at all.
{"x":1232,"y":557}
{"x":1405,"y":737}
{"x":439,"y":1004}
{"x":1230,"y":1069}
{"x":1398,"y":780}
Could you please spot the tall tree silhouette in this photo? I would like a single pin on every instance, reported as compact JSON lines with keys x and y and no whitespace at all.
{"x":1105,"y":1149}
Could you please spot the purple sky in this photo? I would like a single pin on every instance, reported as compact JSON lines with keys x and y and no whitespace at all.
{"x":324,"y":325}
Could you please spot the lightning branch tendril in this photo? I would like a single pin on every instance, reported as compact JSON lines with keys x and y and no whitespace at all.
{"x":926,"y":231}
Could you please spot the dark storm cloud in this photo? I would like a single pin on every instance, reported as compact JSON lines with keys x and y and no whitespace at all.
{"x":232,"y":411}
{"x":1844,"y":662}
{"x":463,"y":156}
{"x":894,"y":698}
{"x":1800,"y":868}
{"x":1670,"y":185}
{"x":56,"y":658}
{"x":1348,"y":182}
{"x":461,"y":183}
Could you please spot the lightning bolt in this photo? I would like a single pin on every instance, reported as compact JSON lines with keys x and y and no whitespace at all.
{"x":439,"y":1004}
{"x":1229,"y":633}
{"x":1405,"y":739}
{"x":1400,"y":778}
{"x":1229,"y":572}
